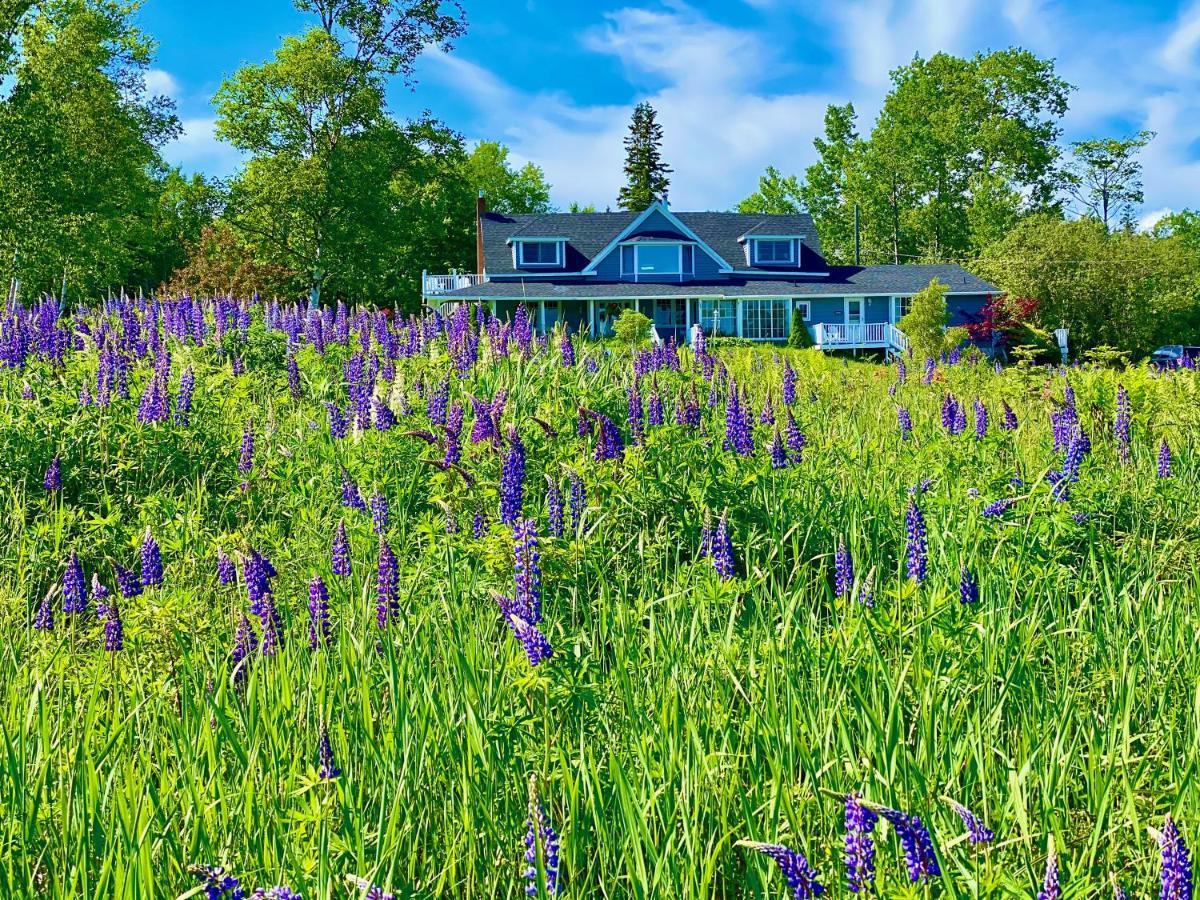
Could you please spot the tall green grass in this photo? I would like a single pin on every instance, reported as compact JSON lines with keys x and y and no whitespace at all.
{"x":679,"y":713}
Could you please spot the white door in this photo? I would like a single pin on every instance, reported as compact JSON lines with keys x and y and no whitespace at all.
{"x":854,"y":310}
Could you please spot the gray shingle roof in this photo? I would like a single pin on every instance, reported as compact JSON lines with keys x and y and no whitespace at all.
{"x":590,"y":233}
{"x":842,"y":281}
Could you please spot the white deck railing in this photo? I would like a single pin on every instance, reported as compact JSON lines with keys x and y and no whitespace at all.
{"x":433,"y":285}
{"x":867,"y":335}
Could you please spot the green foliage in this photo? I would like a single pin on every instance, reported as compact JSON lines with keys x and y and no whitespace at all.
{"x":83,"y":191}
{"x":632,"y":327}
{"x":1105,"y":177}
{"x":962,"y":149}
{"x":1107,"y":357}
{"x":507,"y":190}
{"x":647,"y":177}
{"x":776,"y":195}
{"x":925,"y":324}
{"x":1131,"y":291}
{"x":798,"y":337}
{"x":677,"y":713}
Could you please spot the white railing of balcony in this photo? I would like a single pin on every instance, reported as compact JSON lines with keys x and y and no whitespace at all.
{"x":869,"y":335}
{"x":433,"y":285}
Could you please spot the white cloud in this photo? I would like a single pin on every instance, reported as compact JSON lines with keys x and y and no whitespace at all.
{"x":162,"y":83}
{"x":198,"y":150}
{"x":720,"y":132}
{"x":1153,"y":217}
{"x":723,"y":123}
{"x":1179,"y":51}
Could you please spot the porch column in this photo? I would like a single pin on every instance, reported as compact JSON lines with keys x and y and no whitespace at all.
{"x":542,"y":316}
{"x":738,"y":307}
{"x":637,"y":305}
{"x":591,"y":318}
{"x":687,"y":321}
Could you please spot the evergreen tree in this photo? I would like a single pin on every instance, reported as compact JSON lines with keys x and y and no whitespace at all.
{"x":645,"y":172}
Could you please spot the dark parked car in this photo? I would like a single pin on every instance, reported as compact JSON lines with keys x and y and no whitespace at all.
{"x":1174,"y":355}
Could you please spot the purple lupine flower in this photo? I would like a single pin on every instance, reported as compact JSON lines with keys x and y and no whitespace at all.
{"x":44,"y":619}
{"x":779,"y":457}
{"x":351,"y":497}
{"x":654,"y":409}
{"x":721,"y":550}
{"x":53,"y":480}
{"x":527,"y":571}
{"x":1051,"y":889}
{"x":1122,"y":424}
{"x":387,"y":586}
{"x":328,"y":770}
{"x":114,"y":629}
{"x":905,"y":422}
{"x":438,"y":402}
{"x":226,"y":570}
{"x":245,"y":642}
{"x":512,"y":479}
{"x":767,"y":416}
{"x":152,"y":568}
{"x":843,"y":567}
{"x":257,"y":572}
{"x":479,"y":523}
{"x":293,"y":376}
{"x":930,"y":365}
{"x":128,"y":583}
{"x":340,"y":552}
{"x":1119,"y":892}
{"x":183,"y":401}
{"x":568,"y":350}
{"x":860,"y":846}
{"x":901,"y":371}
{"x":981,"y":420}
{"x":339,"y":425}
{"x":272,"y":626}
{"x":319,"y":630}
{"x":1164,"y":459}
{"x":960,"y":418}
{"x":541,"y":840}
{"x":100,"y":595}
{"x":949,"y":409}
{"x":1176,"y":875}
{"x":801,"y":877}
{"x":279,"y":892}
{"x":977,"y":832}
{"x":554,"y":508}
{"x":246,"y":457}
{"x":789,"y":384}
{"x":738,"y":437}
{"x":917,"y":844}
{"x":1009,"y":421}
{"x":637,"y":416}
{"x":968,"y":588}
{"x":578,"y":501}
{"x":917,"y":551}
{"x":537,"y":648}
{"x":74,"y":588}
{"x":997,"y":508}
{"x":795,"y":438}
{"x":380,"y":513}
{"x":218,"y":885}
{"x":609,"y":445}
{"x":454,"y":425}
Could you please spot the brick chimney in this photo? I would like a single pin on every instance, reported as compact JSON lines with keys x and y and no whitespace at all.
{"x":480,"y":209}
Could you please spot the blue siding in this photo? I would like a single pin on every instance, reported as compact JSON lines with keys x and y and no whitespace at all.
{"x":609,"y":268}
{"x":965,"y":310}
{"x":878,"y":309}
{"x":656,"y":223}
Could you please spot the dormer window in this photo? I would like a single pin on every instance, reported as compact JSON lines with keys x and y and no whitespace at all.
{"x":539,"y":254}
{"x":774,"y":251}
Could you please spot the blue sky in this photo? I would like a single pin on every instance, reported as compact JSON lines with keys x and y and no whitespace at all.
{"x":739,"y":84}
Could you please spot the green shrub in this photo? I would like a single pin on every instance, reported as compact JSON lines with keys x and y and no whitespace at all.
{"x":925,"y":324}
{"x":799,"y":338}
{"x":632,"y":328}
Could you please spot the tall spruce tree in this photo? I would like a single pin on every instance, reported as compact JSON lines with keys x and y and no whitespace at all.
{"x":645,"y":172}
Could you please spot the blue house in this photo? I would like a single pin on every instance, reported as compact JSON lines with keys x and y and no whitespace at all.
{"x":735,"y":274}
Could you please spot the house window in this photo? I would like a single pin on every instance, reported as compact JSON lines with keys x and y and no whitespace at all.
{"x":718,"y":317}
{"x":764,"y":320}
{"x":804,"y":307}
{"x":539,"y":253}
{"x":658,"y":259}
{"x":900,"y":308}
{"x":774,"y":252}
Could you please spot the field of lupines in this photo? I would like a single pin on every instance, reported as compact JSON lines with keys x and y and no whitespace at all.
{"x":330,"y":605}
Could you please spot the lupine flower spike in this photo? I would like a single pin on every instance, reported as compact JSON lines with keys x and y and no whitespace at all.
{"x":328,"y":770}
{"x":860,"y":845}
{"x":1176,"y":873}
{"x":541,"y":847}
{"x":152,"y":568}
{"x":1051,"y":889}
{"x":801,"y":877}
{"x":977,"y":832}
{"x":917,"y":844}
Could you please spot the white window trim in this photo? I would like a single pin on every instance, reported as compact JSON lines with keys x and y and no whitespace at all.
{"x":895,"y":304}
{"x":758,"y":261}
{"x":637,"y":249}
{"x":771,"y":304}
{"x":805,"y":306}
{"x":862,"y":310}
{"x":519,"y":254}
